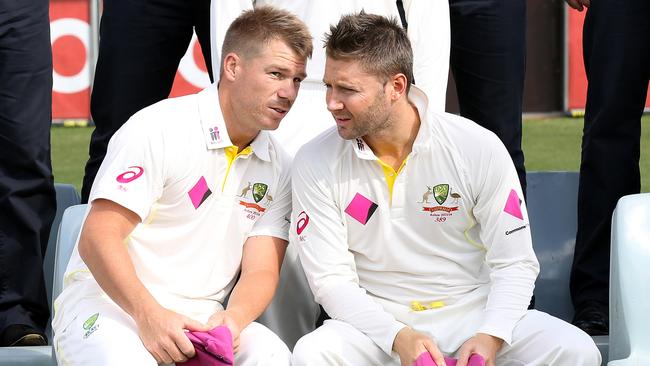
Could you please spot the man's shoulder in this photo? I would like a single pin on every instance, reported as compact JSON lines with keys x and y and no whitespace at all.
{"x":278,"y":154}
{"x":463,"y":133}
{"x":323,"y":149}
{"x":168,"y":118}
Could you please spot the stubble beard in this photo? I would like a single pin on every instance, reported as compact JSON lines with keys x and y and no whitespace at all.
{"x":374,"y":120}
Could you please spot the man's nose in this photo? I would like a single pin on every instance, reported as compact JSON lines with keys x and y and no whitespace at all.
{"x":288,"y":90}
{"x":333,"y":103}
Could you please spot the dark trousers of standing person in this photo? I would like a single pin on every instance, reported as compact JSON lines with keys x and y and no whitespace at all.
{"x":488,"y":57}
{"x":616,"y":41}
{"x":141,"y":44}
{"x":27,"y":197}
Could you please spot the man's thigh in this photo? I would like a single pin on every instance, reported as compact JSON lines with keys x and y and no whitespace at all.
{"x":260,"y":346}
{"x":541,"y":339}
{"x":339,"y":343}
{"x":99,"y":333}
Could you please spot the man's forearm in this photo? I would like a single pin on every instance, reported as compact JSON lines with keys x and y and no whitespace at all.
{"x":115,"y":274}
{"x":252,"y":294}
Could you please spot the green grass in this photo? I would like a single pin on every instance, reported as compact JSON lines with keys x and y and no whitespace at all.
{"x":70,"y":153}
{"x":549,"y":144}
{"x":554,"y":144}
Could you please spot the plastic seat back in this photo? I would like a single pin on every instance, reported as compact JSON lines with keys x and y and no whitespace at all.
{"x":629,"y":282}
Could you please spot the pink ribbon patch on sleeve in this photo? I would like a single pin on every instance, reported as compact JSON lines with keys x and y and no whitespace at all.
{"x":513,"y":205}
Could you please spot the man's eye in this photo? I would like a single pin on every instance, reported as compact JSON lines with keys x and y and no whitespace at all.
{"x":277,"y":74}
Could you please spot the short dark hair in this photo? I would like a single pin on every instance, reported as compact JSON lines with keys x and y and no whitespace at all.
{"x":254,"y":29}
{"x":379,"y":43}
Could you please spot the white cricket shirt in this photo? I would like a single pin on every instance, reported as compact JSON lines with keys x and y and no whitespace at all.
{"x":174,"y":165}
{"x":450,"y":254}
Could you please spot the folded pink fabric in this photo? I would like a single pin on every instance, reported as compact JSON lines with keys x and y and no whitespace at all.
{"x":213,"y":348}
{"x":425,"y":359}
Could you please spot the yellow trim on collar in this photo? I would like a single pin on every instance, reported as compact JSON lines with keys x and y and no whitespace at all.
{"x":232,"y":153}
{"x":391,"y":175}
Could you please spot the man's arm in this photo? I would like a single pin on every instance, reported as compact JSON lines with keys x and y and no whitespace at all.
{"x":505,"y":233}
{"x":102,"y":247}
{"x":261,"y":261}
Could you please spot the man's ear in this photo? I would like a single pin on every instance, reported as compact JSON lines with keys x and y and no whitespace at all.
{"x":231,"y":64}
{"x":398,"y":85}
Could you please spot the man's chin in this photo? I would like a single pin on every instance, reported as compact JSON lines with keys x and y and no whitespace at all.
{"x":346,"y":134}
{"x":270,"y":125}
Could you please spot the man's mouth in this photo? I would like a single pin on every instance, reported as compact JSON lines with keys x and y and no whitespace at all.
{"x":279,"y":110}
{"x":342,"y":119}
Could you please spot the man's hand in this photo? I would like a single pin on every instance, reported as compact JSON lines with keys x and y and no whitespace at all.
{"x":225,"y":317}
{"x":162,"y":333}
{"x":483,"y":344}
{"x":579,"y":5}
{"x":410,"y":344}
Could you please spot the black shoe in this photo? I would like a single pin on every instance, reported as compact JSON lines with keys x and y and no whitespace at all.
{"x":22,"y":335}
{"x":592,"y":321}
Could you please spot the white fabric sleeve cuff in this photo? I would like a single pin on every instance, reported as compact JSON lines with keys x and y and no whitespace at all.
{"x":350,"y":303}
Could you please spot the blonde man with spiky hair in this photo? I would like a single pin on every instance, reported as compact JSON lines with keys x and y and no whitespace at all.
{"x":180,"y":214}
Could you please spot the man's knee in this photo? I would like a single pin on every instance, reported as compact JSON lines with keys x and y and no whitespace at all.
{"x":260,"y":346}
{"x":578,"y":348}
{"x":560,"y":343}
{"x":312,"y":350}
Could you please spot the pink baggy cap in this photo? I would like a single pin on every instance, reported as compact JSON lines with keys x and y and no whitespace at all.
{"x":213,"y":348}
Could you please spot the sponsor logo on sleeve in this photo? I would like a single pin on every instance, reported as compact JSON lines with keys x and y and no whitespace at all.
{"x":302,"y":222}
{"x":361,"y":208}
{"x":130,"y":175}
{"x":508,"y":232}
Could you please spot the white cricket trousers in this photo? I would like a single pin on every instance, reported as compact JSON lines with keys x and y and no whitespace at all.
{"x":111,"y":339}
{"x":538,"y":339}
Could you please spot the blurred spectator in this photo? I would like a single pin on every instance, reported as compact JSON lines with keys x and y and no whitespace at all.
{"x":616,"y":46}
{"x":141,"y":44}
{"x":488,"y":61}
{"x":27,"y":197}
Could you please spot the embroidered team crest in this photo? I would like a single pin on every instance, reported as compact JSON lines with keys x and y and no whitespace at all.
{"x":259,"y":191}
{"x":440,"y":193}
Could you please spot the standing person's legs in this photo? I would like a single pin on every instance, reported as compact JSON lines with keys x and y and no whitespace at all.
{"x":339,"y":343}
{"x":27,"y":197}
{"x":488,"y":56}
{"x":141,"y":44}
{"x":617,"y":61}
{"x":540,"y":339}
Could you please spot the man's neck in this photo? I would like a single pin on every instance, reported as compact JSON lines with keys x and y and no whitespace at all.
{"x":238,"y":134}
{"x":392,"y":145}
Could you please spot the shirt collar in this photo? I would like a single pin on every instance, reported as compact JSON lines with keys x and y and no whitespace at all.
{"x":422,"y":140}
{"x":214,"y":126}
{"x":421,"y":102}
